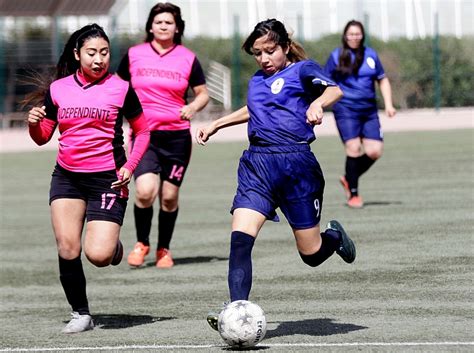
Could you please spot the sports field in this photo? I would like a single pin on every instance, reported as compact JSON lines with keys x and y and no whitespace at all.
{"x":409,"y":290}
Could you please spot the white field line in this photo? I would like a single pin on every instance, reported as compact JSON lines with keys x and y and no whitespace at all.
{"x":276,"y":345}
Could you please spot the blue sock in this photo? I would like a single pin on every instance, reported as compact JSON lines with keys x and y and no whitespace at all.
{"x":240,"y":265}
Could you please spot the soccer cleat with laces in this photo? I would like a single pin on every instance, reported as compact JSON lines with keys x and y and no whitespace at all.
{"x":345,"y":186}
{"x":79,"y":323}
{"x":118,"y":254}
{"x":137,"y":255}
{"x":163,"y":258}
{"x":355,"y":202}
{"x":346,"y":249}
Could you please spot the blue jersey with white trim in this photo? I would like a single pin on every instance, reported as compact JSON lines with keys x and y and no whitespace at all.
{"x":277,"y":104}
{"x":359,"y":90}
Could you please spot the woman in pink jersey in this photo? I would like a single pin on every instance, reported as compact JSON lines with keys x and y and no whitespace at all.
{"x":89,"y":182}
{"x":161,"y":70}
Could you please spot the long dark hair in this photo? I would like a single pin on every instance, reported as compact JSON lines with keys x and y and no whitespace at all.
{"x":346,"y":66}
{"x":277,"y":33}
{"x":172,"y":9}
{"x":67,"y":63}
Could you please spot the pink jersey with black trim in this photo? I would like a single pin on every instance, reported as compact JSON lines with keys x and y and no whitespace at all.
{"x":89,"y":118}
{"x":161,"y":83}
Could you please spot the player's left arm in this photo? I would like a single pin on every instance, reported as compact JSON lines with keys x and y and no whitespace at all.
{"x":201,"y":98}
{"x":197,"y":82}
{"x":386,"y":90}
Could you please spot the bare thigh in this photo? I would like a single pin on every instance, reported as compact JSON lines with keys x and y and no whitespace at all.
{"x":67,"y":218}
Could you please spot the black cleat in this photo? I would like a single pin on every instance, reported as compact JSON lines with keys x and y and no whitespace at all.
{"x":212,"y":320}
{"x":346,"y":249}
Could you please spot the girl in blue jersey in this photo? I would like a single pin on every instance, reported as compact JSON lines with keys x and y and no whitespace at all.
{"x":285,"y":100}
{"x":355,"y":69}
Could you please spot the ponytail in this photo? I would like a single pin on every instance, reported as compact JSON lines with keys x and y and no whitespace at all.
{"x":296,"y":52}
{"x":66,"y":65}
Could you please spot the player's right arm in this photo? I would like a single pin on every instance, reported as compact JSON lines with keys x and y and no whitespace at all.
{"x":238,"y":117}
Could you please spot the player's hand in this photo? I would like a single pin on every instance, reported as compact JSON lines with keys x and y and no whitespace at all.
{"x":35,"y":115}
{"x":314,"y":114}
{"x":124,"y":176}
{"x":390,"y":111}
{"x":203,"y":134}
{"x":187,"y":112}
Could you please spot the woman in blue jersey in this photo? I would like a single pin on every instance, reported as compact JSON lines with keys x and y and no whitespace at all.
{"x":285,"y":100}
{"x":356,"y":68}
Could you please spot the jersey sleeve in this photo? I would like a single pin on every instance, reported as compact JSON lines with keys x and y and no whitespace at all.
{"x":131,"y":106}
{"x":44,"y":130}
{"x":123,"y":69}
{"x":330,"y":66}
{"x":380,"y":72}
{"x":51,"y":108}
{"x":314,"y":79}
{"x":197,"y":76}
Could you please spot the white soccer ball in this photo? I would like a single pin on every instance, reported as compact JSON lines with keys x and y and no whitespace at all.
{"x":242,"y":324}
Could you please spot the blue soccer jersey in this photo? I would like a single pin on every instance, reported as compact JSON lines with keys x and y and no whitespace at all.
{"x":359,"y":90}
{"x":277,"y":104}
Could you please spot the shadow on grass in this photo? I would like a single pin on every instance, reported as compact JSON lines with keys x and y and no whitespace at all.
{"x":118,"y":321}
{"x":312,"y":327}
{"x":381,"y":203}
{"x":189,"y":260}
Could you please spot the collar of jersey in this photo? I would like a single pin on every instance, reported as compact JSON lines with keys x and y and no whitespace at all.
{"x":162,"y":55}
{"x":85,"y":85}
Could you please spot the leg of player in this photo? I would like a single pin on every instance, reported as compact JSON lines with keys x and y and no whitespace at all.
{"x":168,"y":195}
{"x":246,"y":224}
{"x":146,"y":186}
{"x":315,"y":248}
{"x":101,"y":243}
{"x":67,"y":216}
{"x":373,"y":151}
{"x":351,"y":179}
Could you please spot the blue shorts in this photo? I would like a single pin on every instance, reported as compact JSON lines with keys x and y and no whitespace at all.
{"x":103,"y":203}
{"x":288,"y":177}
{"x":168,"y":154}
{"x":357,"y":123}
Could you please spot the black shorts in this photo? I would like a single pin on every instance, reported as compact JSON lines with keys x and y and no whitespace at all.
{"x":168,"y":154}
{"x":103,"y":203}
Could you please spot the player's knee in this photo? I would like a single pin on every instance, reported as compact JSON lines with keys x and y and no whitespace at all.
{"x":169,"y":203}
{"x":145,"y":197}
{"x":374,"y":154}
{"x":98,"y":259}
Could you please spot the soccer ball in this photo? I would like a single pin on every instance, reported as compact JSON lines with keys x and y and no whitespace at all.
{"x":242,"y":324}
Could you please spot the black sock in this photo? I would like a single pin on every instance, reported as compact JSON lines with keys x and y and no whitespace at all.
{"x":364,"y":162}
{"x":240,"y":265}
{"x":166,"y":222}
{"x":329,"y":244}
{"x":73,"y":281}
{"x":352,"y":175}
{"x":143,"y":218}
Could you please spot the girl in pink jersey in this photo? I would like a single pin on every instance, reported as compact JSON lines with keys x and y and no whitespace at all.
{"x":161,"y":70}
{"x":90,"y":179}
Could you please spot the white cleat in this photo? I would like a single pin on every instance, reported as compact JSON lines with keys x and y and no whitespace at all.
{"x":79,"y":323}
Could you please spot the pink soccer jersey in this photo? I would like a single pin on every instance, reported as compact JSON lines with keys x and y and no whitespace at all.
{"x":161,"y":82}
{"x":89,"y":118}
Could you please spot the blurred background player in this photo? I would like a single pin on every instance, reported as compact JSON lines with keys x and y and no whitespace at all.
{"x":285,"y":100}
{"x":161,"y":71}
{"x":89,"y":181}
{"x":356,"y":68}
